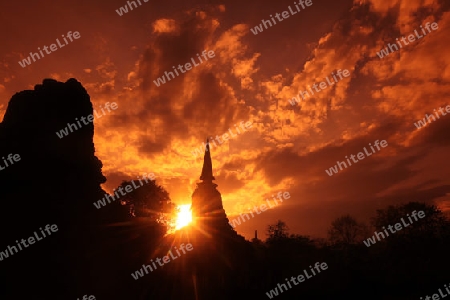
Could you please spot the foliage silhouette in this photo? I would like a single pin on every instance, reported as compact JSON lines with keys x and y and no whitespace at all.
{"x":277,"y":231}
{"x":345,"y":230}
{"x":149,"y":200}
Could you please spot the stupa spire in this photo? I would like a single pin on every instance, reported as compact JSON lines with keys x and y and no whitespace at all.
{"x":207,"y":174}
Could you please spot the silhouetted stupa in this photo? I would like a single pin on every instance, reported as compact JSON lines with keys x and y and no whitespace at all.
{"x":207,"y":208}
{"x":220,"y":257}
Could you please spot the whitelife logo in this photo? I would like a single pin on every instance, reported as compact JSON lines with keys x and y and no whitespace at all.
{"x":423,"y":123}
{"x":188,"y":66}
{"x":128,"y":189}
{"x":360,"y":156}
{"x":323,"y":85}
{"x":166,"y":259}
{"x":9,"y":251}
{"x":85,"y":297}
{"x":124,"y":9}
{"x":411,"y":38}
{"x":398,"y":227}
{"x":16,"y":158}
{"x":436,"y":296}
{"x":300,"y":278}
{"x":65,"y":131}
{"x":285,"y":14}
{"x":263,"y":207}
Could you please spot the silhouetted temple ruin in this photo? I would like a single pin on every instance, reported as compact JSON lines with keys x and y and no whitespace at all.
{"x":219,"y":263}
{"x":207,"y":208}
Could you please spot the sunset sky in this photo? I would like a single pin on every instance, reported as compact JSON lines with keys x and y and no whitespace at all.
{"x":251,"y":78}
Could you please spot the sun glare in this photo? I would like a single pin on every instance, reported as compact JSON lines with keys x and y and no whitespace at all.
{"x":184,"y":216}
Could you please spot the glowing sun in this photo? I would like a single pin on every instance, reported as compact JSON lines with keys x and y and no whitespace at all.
{"x":184,"y":216}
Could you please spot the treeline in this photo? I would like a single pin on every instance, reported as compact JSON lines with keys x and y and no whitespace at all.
{"x":407,"y":264}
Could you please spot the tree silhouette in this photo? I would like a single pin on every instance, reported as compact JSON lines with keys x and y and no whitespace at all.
{"x":345,"y":230}
{"x":433,"y":225}
{"x":149,"y":200}
{"x":277,"y":231}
